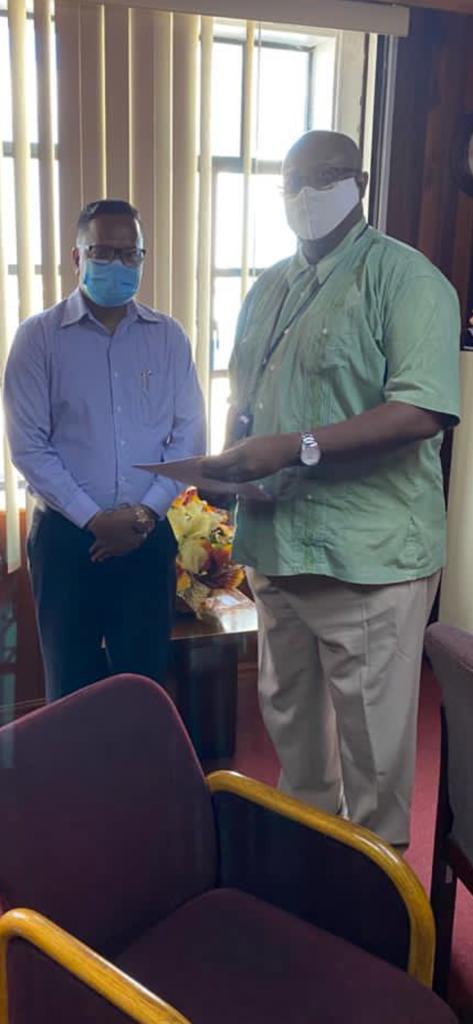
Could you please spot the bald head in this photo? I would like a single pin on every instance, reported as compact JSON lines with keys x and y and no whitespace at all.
{"x":327,"y":147}
{"x":319,"y":159}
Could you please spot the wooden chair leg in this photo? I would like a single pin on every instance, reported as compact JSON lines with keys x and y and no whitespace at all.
{"x":444,"y":878}
{"x":443,"y":894}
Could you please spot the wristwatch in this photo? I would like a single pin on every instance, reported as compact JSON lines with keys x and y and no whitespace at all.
{"x":145,"y":520}
{"x":310,"y":453}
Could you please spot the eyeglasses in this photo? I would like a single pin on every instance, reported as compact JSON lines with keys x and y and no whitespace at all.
{"x":320,"y":178}
{"x":132,"y":257}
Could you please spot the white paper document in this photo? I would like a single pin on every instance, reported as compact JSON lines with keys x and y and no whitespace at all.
{"x":189,"y":471}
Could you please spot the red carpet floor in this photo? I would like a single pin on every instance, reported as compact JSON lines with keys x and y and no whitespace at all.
{"x":255,"y":757}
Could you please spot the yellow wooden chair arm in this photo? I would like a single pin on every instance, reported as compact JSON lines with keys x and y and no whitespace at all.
{"x":83,"y":963}
{"x":422,"y":927}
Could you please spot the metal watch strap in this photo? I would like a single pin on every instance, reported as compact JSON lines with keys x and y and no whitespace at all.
{"x":145,"y":520}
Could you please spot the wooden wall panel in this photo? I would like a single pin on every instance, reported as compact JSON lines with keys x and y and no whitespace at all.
{"x":434,"y":90}
{"x":426,"y":209}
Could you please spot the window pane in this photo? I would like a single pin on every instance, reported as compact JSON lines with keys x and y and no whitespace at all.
{"x":281,"y":110}
{"x":37,"y":293}
{"x":219,"y":392}
{"x":226,"y":102}
{"x":323,"y":85}
{"x":12,"y":311}
{"x":273,"y":238}
{"x":226,"y":307}
{"x":8,"y":210}
{"x":12,"y":306}
{"x":229,"y":220}
{"x":6,"y":130}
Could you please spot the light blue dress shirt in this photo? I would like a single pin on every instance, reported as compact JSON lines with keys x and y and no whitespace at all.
{"x":84,"y":406}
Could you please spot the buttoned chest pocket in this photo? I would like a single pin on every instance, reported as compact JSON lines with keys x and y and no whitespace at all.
{"x":325,"y":350}
{"x":336,"y":338}
{"x":154,"y":397}
{"x":325,"y":353}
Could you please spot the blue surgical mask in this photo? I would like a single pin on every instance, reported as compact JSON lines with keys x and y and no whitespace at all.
{"x":110,"y":284}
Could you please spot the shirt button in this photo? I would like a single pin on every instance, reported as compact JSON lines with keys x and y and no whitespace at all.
{"x":115,"y":375}
{"x":122,"y":443}
{"x":119,"y":408}
{"x":325,"y":330}
{"x":309,"y":497}
{"x":260,"y":405}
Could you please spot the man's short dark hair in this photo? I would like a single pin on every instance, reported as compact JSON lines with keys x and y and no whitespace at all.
{"x":105,"y":207}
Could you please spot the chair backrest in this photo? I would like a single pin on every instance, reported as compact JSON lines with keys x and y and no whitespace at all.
{"x":451,"y":653}
{"x":106,"y":821}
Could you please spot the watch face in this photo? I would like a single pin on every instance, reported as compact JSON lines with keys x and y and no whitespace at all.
{"x":310,"y":455}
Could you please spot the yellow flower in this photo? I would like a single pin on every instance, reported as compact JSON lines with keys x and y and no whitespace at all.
{"x":192,"y":520}
{"x":193,"y":554}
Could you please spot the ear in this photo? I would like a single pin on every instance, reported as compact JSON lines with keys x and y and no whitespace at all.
{"x":362,"y":182}
{"x":76,"y":259}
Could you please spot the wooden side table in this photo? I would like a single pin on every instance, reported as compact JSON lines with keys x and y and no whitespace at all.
{"x":205,"y":655}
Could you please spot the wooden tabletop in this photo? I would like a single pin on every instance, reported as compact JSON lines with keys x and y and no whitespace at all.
{"x":226,"y":622}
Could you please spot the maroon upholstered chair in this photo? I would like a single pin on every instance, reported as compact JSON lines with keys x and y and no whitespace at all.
{"x":451,"y":654}
{"x":231,"y":902}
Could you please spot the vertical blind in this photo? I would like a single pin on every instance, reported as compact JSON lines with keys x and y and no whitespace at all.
{"x":134,"y":88}
{"x":128,"y":93}
{"x":17,"y":29}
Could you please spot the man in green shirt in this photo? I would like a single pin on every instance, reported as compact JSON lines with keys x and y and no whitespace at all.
{"x":344,"y":376}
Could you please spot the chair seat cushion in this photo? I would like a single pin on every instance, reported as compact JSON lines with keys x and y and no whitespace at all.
{"x":228,"y":957}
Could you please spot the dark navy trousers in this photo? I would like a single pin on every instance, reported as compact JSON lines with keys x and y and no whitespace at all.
{"x":126,"y":602}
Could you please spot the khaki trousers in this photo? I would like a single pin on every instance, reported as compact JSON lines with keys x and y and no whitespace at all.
{"x":339,"y":669}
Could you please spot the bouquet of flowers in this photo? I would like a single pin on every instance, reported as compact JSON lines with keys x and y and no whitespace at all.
{"x":204,"y":536}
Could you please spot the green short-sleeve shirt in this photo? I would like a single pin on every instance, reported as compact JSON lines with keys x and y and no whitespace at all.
{"x":372,"y":322}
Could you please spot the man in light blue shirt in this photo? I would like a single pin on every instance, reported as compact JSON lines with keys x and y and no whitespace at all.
{"x":93,"y":386}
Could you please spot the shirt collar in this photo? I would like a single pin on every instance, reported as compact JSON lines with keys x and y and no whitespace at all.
{"x":76,"y":309}
{"x":321,"y":270}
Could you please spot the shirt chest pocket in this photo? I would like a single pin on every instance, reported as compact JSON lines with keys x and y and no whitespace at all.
{"x":324,"y":352}
{"x":154,"y":398}
{"x":337,"y":340}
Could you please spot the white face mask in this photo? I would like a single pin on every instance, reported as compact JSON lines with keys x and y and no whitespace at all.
{"x":314,"y":213}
